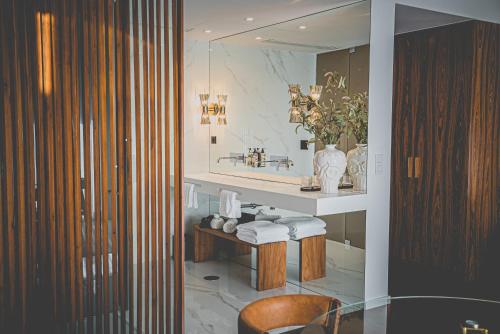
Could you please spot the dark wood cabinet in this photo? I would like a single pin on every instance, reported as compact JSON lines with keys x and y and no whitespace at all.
{"x":445,"y":179}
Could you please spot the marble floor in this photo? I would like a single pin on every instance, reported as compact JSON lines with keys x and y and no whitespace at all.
{"x":213,"y":306}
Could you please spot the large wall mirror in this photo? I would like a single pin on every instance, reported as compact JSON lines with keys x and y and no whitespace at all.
{"x":250,"y":78}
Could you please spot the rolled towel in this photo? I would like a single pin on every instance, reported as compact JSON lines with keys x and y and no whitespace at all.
{"x":217,"y":222}
{"x":263,"y":228}
{"x":302,"y":224}
{"x":230,"y":225}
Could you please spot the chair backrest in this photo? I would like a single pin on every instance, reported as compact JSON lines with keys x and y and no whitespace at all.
{"x":271,"y":313}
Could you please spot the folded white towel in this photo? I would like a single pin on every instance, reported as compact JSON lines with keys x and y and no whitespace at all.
{"x":191,"y":195}
{"x":263,"y":228}
{"x":262,"y":240}
{"x":217,"y":222}
{"x":229,"y":206}
{"x":302,"y":224}
{"x":311,"y":233}
{"x":230,"y":225}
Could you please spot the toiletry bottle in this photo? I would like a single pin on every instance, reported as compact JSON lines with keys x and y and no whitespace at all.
{"x":255,"y":158}
{"x":249,"y":157}
{"x":262,"y":158}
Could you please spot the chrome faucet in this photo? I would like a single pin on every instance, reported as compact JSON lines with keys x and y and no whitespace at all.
{"x":235,"y":159}
{"x":280,"y":162}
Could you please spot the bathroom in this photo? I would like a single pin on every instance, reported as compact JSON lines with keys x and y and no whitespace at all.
{"x":263,"y":157}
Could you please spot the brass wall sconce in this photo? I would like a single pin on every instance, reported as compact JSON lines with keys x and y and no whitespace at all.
{"x":213,"y":109}
{"x":303,"y":104}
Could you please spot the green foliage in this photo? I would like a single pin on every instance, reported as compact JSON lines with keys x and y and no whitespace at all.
{"x":329,"y":120}
{"x":357,"y":115}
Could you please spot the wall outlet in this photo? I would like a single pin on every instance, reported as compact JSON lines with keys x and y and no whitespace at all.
{"x":347,"y":244}
{"x":213,"y":139}
{"x":304,"y":144}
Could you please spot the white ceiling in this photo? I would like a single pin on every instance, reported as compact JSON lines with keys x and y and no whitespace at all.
{"x":227,"y":17}
{"x":335,"y":29}
{"x":413,"y":19}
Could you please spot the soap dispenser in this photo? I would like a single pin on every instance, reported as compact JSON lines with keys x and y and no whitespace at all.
{"x":262,"y":158}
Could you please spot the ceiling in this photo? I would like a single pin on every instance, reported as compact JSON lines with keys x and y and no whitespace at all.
{"x":330,"y":30}
{"x":413,"y":19}
{"x":227,"y":17}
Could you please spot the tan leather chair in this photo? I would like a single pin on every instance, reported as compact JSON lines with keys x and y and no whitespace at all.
{"x":276,"y":312}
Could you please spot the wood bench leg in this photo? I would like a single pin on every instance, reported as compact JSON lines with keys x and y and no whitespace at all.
{"x":204,"y":246}
{"x":312,"y":258}
{"x":271,"y":265}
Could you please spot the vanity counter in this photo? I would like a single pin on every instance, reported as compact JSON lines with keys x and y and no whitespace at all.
{"x":280,"y":195}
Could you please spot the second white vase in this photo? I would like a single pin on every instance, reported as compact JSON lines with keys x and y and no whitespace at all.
{"x":356,"y":166}
{"x":329,"y":166}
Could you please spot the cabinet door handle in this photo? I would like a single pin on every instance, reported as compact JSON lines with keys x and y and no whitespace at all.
{"x":418,"y":167}
{"x":410,"y":167}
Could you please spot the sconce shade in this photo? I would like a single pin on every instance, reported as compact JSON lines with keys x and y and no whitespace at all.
{"x":222,"y":99}
{"x":295,"y":116}
{"x":315,"y":92}
{"x":205,"y":118}
{"x":204,"y":99}
{"x":221,"y":119}
{"x":294,"y":90}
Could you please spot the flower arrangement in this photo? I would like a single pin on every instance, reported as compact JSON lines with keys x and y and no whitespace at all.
{"x":328,"y":120}
{"x":357,"y":115}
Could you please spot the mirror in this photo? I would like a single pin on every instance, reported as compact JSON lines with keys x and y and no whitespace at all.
{"x":253,"y":136}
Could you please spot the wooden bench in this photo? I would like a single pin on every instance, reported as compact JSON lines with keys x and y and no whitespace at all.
{"x":271,"y":257}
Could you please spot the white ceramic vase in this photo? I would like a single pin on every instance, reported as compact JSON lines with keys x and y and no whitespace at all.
{"x":329,"y":166}
{"x":356,"y":166}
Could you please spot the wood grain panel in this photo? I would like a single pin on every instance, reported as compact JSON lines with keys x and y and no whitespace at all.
{"x":66,"y":168}
{"x":445,"y":115}
{"x":312,"y":258}
{"x":271,"y":266}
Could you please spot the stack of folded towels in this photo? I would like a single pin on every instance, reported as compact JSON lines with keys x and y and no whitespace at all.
{"x":303,"y":227}
{"x":262,"y":232}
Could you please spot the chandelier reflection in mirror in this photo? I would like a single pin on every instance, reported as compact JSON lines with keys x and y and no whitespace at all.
{"x":217,"y":109}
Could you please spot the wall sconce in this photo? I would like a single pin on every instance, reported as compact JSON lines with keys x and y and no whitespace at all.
{"x":303,"y":104}
{"x":213,"y":109}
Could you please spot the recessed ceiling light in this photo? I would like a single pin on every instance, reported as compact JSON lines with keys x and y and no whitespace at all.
{"x":258,"y":38}
{"x":302,"y":27}
{"x":208,"y":31}
{"x":249,"y":19}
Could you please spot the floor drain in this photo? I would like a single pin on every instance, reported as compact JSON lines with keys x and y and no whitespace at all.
{"x":211,"y":278}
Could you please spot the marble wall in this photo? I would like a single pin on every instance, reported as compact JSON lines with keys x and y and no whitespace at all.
{"x":256,"y":81}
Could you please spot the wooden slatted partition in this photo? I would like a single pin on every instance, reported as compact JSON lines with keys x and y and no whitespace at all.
{"x":85,"y":137}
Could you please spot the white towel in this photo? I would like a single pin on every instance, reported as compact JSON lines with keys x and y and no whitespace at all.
{"x":302,"y":224}
{"x":229,"y":206}
{"x":311,"y":233}
{"x":217,"y":222}
{"x":230,"y":225}
{"x":261,"y":215}
{"x":191,"y":195}
{"x":262,"y":240}
{"x":263,"y":228}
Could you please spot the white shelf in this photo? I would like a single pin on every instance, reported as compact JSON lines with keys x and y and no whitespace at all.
{"x":280,"y":195}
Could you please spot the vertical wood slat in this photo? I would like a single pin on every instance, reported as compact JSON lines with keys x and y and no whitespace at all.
{"x":138,"y":143}
{"x":20,"y":175}
{"x":103,"y":91}
{"x":159,"y":155}
{"x":112,"y":88}
{"x":75,"y":95}
{"x":128,"y":219}
{"x":87,"y":130}
{"x":178,"y":113}
{"x":96,"y":23}
{"x":147,"y":180}
{"x":167,"y":165}
{"x":152,"y":156}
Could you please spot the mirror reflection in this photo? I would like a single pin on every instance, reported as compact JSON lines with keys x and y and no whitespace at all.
{"x":291,"y":92}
